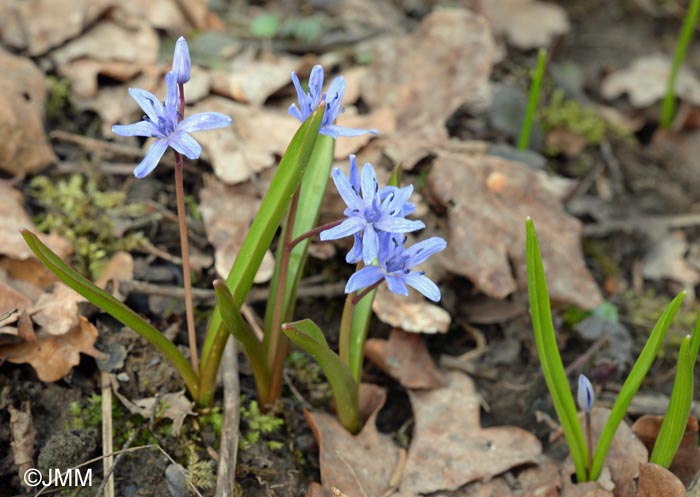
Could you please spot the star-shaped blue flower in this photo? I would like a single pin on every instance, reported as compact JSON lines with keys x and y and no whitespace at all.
{"x":333,"y":98}
{"x":162,"y":122}
{"x":395,"y":267}
{"x":371,"y":212}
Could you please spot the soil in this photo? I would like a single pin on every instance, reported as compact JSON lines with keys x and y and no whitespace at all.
{"x":646,"y":180}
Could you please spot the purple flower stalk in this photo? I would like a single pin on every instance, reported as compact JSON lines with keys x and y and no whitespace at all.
{"x":181,"y":61}
{"x":333,"y":98}
{"x":395,"y":267}
{"x":585,"y":394}
{"x":372,"y":214}
{"x":162,"y":121}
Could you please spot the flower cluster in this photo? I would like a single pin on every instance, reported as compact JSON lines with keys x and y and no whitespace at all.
{"x":376,"y":217}
{"x":164,"y":121}
{"x":308,"y":101}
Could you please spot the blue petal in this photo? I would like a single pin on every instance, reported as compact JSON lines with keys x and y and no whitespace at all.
{"x":334,"y":99}
{"x":354,"y":174}
{"x":204,"y":121}
{"x":355,"y":254}
{"x":148,"y":102}
{"x":398,"y":225}
{"x":181,"y":61}
{"x":150,"y":161}
{"x":295,"y":112}
{"x":141,"y":128}
{"x":419,"y":252}
{"x":335,"y":131}
{"x":370,"y":245}
{"x":396,"y":284}
{"x":395,"y":200}
{"x":423,"y":284}
{"x":186,"y":145}
{"x":302,"y":97}
{"x":346,"y":228}
{"x":363,"y":278}
{"x":315,"y":86}
{"x":172,"y":99}
{"x":368,"y":182}
{"x":345,"y":190}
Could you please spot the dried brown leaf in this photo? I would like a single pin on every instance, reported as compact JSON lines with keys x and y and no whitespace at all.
{"x":405,"y":358}
{"x":646,"y":79}
{"x":410,"y":313}
{"x":542,"y":480}
{"x":226,"y":230}
{"x":426,"y":76}
{"x":656,"y":481}
{"x":686,"y":463}
{"x":666,"y":259}
{"x":23,"y":437}
{"x":57,"y":312}
{"x":253,"y":81}
{"x":39,"y":25}
{"x":24,"y":147}
{"x":383,"y":120}
{"x":170,"y":15}
{"x":252,"y":144}
{"x":526,"y":23}
{"x":174,"y":406}
{"x":53,"y":357}
{"x":449,"y":447}
{"x":487,"y":227}
{"x":359,"y":465}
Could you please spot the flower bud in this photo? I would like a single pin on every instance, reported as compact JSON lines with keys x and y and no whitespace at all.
{"x":585,"y":394}
{"x":181,"y":61}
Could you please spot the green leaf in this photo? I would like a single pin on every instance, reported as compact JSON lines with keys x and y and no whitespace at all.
{"x":235,"y":325}
{"x":258,"y":240}
{"x":552,"y":367}
{"x":114,"y":308}
{"x":265,"y":26}
{"x":676,"y":418}
{"x":307,"y":335}
{"x":632,"y":383}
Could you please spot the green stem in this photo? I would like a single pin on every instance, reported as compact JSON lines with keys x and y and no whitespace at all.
{"x":534,"y":97}
{"x":668,"y":107}
{"x":346,"y":331}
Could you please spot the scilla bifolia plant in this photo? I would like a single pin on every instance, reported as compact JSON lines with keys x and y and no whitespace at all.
{"x":589,"y":468}
{"x":308,"y":156}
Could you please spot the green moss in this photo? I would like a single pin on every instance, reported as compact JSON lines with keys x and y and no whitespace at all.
{"x":200,"y":473}
{"x":58,"y":105}
{"x":77,"y":209}
{"x":568,"y":114}
{"x":86,"y":416}
{"x":257,"y":425}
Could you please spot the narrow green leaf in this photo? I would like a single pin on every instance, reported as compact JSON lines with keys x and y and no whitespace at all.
{"x":361,"y":317}
{"x":676,"y":418}
{"x":533,"y":99}
{"x":632,"y":383}
{"x":307,"y":335}
{"x":258,"y":240}
{"x":235,"y":325}
{"x":114,"y":308}
{"x":552,"y":367}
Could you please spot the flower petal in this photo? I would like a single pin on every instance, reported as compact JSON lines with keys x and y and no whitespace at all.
{"x":363,"y":278}
{"x":315,"y":86}
{"x":204,"y":121}
{"x":420,"y":251}
{"x":148,"y":102}
{"x":150,"y":161}
{"x":368,"y":182}
{"x":335,"y":131}
{"x":398,"y":225}
{"x":396,"y":284}
{"x":355,"y":254}
{"x":186,"y":145}
{"x":348,"y":227}
{"x":423,"y":284}
{"x":295,"y":112}
{"x":370,"y":245}
{"x":141,"y":128}
{"x":172,"y":99}
{"x":345,"y":189}
{"x":181,"y":61}
{"x":334,"y":100}
{"x":354,"y":174}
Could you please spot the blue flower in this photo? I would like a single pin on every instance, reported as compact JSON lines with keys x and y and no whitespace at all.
{"x":370,"y":211}
{"x":181,"y":61}
{"x":395,"y":267}
{"x":162,"y":121}
{"x":333,"y":98}
{"x":585,"y":395}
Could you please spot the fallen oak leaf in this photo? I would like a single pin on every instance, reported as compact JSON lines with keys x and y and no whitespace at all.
{"x":53,"y":357}
{"x":449,"y":447}
{"x":23,"y":437}
{"x":487,"y":200}
{"x":410,"y":313}
{"x":655,"y":481}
